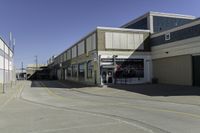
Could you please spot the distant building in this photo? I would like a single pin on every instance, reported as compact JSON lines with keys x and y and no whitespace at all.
{"x":38,"y":71}
{"x":156,"y":45}
{"x":7,"y":72}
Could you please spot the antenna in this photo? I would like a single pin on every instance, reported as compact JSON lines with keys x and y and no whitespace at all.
{"x":14,"y":44}
{"x":10,"y":39}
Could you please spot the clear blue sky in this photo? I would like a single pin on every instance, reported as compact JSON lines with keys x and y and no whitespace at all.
{"x":48,"y":27}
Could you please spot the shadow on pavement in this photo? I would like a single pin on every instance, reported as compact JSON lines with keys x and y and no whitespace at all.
{"x":58,"y":84}
{"x":160,"y":89}
{"x":145,"y":89}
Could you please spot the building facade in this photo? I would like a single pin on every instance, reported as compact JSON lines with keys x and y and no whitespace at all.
{"x":7,"y":75}
{"x":156,"y":45}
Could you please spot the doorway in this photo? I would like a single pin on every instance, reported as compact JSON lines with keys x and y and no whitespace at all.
{"x":107,"y":76}
{"x":196,"y":70}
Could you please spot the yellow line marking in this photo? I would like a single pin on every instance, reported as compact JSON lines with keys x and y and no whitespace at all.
{"x":163,"y":110}
{"x":51,"y":93}
{"x":11,"y":97}
{"x":144,"y":108}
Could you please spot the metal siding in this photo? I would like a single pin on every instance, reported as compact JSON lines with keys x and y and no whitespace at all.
{"x":74,"y":52}
{"x":6,"y":64}
{"x":108,"y":40}
{"x":94,"y":41}
{"x":1,"y":62}
{"x":69,"y":54}
{"x":123,"y":41}
{"x":173,"y":70}
{"x":1,"y":45}
{"x":182,"y":34}
{"x":116,"y":41}
{"x":81,"y":48}
{"x":130,"y":42}
{"x":137,"y":40}
{"x":89,"y":44}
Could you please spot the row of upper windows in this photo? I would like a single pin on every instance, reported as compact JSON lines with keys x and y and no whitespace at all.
{"x":81,"y":48}
{"x":4,"y":47}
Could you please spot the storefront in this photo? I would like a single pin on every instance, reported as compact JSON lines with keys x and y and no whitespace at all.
{"x":122,"y":71}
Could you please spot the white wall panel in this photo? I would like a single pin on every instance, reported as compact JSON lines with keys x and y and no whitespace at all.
{"x":6,"y":49}
{"x":131,"y":44}
{"x":11,"y":54}
{"x":108,"y":40}
{"x":136,"y":40}
{"x":91,"y":43}
{"x":123,"y":41}
{"x":6,"y":64}
{"x":1,"y":45}
{"x":74,"y":52}
{"x":1,"y":62}
{"x":115,"y":40}
{"x":68,"y":54}
{"x":141,"y":42}
{"x":81,"y":48}
{"x":10,"y":65}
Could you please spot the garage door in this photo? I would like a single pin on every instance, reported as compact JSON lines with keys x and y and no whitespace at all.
{"x":196,"y":70}
{"x":173,"y":70}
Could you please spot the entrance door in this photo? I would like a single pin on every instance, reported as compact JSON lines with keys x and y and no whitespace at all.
{"x":110,"y":77}
{"x":196,"y":70}
{"x":107,"y":76}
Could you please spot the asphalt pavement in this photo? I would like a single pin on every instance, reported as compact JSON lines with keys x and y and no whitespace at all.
{"x":67,"y":107}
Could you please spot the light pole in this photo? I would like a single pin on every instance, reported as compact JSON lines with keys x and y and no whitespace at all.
{"x":4,"y":67}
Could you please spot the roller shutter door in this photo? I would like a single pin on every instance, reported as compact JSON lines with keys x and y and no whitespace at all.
{"x":173,"y":70}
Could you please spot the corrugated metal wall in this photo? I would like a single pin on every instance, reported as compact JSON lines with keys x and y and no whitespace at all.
{"x":115,"y":40}
{"x":173,"y":70}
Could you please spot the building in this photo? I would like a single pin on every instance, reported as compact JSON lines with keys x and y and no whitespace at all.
{"x":37,"y":71}
{"x":7,"y":75}
{"x":156,"y":45}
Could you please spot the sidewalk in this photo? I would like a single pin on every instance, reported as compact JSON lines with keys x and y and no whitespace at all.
{"x":9,"y":93}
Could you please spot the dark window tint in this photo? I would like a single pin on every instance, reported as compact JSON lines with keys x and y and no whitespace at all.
{"x":141,"y":24}
{"x":165,"y":23}
{"x":81,"y":70}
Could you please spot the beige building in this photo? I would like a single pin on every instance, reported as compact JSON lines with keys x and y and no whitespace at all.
{"x":160,"y":46}
{"x":98,"y":56}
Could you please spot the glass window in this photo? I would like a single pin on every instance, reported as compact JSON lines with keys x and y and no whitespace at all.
{"x":74,"y":70}
{"x":89,"y":69}
{"x":81,"y":70}
{"x":130,"y":69}
{"x":69,"y":71}
{"x":141,"y":24}
{"x":165,"y":23}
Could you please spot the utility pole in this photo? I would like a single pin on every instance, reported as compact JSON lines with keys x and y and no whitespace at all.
{"x":22,"y":65}
{"x":36,"y":62}
{"x":4,"y":67}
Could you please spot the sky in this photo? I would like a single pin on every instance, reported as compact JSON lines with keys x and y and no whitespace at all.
{"x":45,"y":28}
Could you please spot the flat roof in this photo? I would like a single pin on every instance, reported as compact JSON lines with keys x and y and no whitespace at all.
{"x":195,"y":22}
{"x":103,"y":28}
{"x":152,"y":13}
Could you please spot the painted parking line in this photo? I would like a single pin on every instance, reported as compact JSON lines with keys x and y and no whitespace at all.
{"x":161,"y":110}
{"x":18,"y":89}
{"x":51,"y":93}
{"x":145,"y":108}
